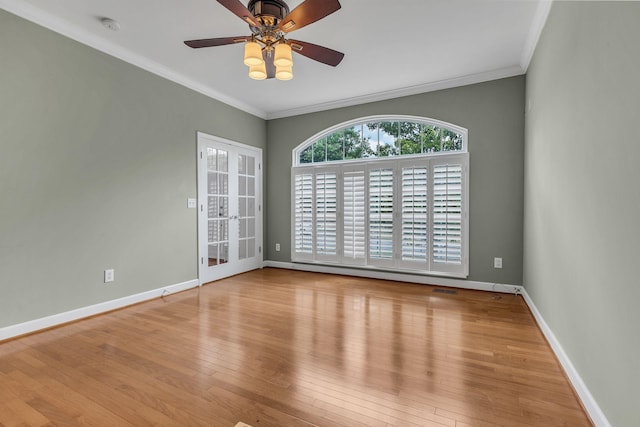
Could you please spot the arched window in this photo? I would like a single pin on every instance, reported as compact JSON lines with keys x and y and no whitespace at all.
{"x":381,"y":137}
{"x":383,"y":192}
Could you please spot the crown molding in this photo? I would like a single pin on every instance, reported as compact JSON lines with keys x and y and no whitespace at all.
{"x":51,"y":22}
{"x":44,"y":19}
{"x":537,"y":25}
{"x":398,"y":93}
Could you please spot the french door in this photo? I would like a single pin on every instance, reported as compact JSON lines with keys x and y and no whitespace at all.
{"x":229,"y":208}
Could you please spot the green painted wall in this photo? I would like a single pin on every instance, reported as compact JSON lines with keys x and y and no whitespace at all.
{"x":98,"y":157}
{"x":97,"y":160}
{"x":582,"y":198}
{"x":493,"y":112}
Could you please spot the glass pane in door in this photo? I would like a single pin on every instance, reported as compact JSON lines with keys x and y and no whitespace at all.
{"x":217,"y":206}
{"x":247,"y":206}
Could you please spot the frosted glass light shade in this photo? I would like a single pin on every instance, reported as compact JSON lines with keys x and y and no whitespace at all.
{"x":284,"y":73}
{"x":283,"y":56}
{"x":258,"y":72}
{"x":252,"y":54}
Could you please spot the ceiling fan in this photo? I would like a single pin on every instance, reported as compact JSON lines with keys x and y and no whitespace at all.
{"x":267,"y":50}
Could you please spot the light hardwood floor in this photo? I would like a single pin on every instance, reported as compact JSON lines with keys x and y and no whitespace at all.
{"x":284,"y":348}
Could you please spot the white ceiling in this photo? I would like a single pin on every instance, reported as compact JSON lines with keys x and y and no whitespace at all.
{"x":392,"y":48}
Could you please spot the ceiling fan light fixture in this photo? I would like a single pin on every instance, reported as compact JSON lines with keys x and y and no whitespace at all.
{"x":284,"y":73}
{"x":258,"y":72}
{"x":283,"y":56}
{"x":267,"y":52}
{"x":253,"y":54}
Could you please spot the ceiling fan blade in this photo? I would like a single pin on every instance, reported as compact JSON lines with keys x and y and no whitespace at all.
{"x":220,"y":41}
{"x":307,"y":13}
{"x":268,"y":62}
{"x":317,"y":53}
{"x":241,"y":11}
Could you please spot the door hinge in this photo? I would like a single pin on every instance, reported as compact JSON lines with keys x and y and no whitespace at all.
{"x":259,"y":249}
{"x":201,"y":154}
{"x":201,"y":260}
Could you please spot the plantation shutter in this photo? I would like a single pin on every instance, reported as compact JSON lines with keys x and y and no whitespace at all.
{"x":408,"y":214}
{"x":381,"y":200}
{"x":303,"y":216}
{"x":354,"y":217}
{"x":414,"y":222}
{"x":326,"y":227}
{"x":448,"y":211}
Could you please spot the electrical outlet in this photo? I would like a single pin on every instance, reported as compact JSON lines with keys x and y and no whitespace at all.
{"x":497,"y":262}
{"x":191,"y":203}
{"x":108,"y":275}
{"x":277,"y":247}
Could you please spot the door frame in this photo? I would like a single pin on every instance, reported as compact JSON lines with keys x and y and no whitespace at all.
{"x":204,"y":140}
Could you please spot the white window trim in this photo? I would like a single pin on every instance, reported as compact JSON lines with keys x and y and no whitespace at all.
{"x":396,"y":162}
{"x":380,"y":118}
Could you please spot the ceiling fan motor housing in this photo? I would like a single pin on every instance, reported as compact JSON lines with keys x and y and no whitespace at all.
{"x":270,"y":21}
{"x":268,"y":12}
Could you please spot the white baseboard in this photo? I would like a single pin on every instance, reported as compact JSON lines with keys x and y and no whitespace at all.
{"x":69,"y":316}
{"x":589,"y":403}
{"x":400,"y":277}
{"x":591,"y":406}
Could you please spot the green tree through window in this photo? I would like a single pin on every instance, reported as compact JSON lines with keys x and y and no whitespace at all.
{"x":385,"y":192}
{"x":381,"y":139}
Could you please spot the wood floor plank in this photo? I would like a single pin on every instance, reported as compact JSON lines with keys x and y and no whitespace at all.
{"x":289,"y":348}
{"x":16,"y":412}
{"x":59,"y":395}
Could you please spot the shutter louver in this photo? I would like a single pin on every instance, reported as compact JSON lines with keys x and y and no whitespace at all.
{"x":326,"y":213}
{"x":354,"y":219}
{"x":381,"y":214}
{"x":415,"y":231}
{"x":303,"y":215}
{"x":447,"y":214}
